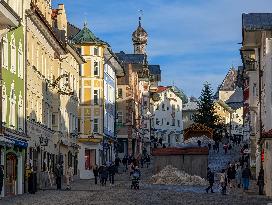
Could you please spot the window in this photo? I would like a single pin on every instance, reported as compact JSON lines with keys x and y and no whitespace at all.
{"x":96,"y":97}
{"x":254,"y":89}
{"x":167,"y":123}
{"x":163,"y":107}
{"x":12,"y":105}
{"x":157,"y":107}
{"x":13,"y":54}
{"x":157,"y":121}
{"x":96,"y":69}
{"x":20,"y":113}
{"x":120,"y":93}
{"x":178,"y":108}
{"x":53,"y":119}
{"x":78,"y":125}
{"x":95,"y":51}
{"x":173,"y":122}
{"x":119,"y":117}
{"x":162,"y":121}
{"x":173,"y":108}
{"x":95,"y":127}
{"x":178,"y":123}
{"x":5,"y":52}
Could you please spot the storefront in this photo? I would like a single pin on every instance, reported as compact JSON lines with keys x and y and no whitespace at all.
{"x":89,"y":155}
{"x":12,"y":152}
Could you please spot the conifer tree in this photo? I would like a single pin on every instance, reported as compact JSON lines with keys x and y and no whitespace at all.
{"x":206,"y":112}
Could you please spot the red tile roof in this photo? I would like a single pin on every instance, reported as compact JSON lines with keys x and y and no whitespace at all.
{"x":161,"y":89}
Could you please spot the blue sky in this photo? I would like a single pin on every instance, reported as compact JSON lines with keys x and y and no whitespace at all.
{"x":193,"y":40}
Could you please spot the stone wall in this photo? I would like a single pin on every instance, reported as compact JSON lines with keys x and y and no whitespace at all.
{"x":194,"y":161}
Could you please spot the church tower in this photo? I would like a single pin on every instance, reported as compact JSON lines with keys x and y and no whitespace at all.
{"x":139,"y":38}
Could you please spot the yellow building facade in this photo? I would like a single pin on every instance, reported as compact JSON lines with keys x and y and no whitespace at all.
{"x":91,"y":106}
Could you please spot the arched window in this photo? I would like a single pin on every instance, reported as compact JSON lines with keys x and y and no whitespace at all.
{"x":13,"y":54}
{"x":4,"y":103}
{"x":12,"y":100}
{"x":20,"y":60}
{"x":20,"y":113}
{"x":5,"y":51}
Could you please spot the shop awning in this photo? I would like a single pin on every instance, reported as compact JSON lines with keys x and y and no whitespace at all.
{"x":17,"y":142}
{"x":6,"y":142}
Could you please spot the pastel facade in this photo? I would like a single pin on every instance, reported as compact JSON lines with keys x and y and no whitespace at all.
{"x":91,"y":105}
{"x":167,"y":123}
{"x":13,"y":140}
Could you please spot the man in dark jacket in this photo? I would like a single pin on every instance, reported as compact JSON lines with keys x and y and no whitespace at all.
{"x":117,"y":163}
{"x":1,"y":178}
{"x":210,"y":178}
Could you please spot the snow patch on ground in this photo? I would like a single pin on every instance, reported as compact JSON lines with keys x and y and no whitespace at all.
{"x":172,"y":176}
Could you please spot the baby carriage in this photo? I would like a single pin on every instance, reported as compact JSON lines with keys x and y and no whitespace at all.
{"x":135,"y":179}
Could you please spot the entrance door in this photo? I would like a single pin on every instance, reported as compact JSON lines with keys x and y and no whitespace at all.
{"x":11,"y":173}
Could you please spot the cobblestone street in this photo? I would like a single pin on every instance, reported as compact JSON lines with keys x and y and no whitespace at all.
{"x":86,"y":192}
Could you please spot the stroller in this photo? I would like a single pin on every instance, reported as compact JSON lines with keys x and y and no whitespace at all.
{"x":135,"y":179}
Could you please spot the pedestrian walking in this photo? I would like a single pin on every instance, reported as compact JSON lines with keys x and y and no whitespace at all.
{"x":223,"y":182}
{"x":117,"y":163}
{"x":59,"y":173}
{"x":125,"y":163}
{"x":96,"y":173}
{"x":147,"y":160}
{"x":142,"y":160}
{"x":111,"y":171}
{"x":238,"y":175}
{"x":231,"y":176}
{"x":210,"y":177}
{"x":246,"y":175}
{"x":100,"y":169}
{"x":69,"y":176}
{"x":104,"y":175}
{"x":260,"y":182}
{"x":225,"y":147}
{"x":1,"y":178}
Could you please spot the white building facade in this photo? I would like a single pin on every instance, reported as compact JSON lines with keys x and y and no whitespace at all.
{"x":167,"y":117}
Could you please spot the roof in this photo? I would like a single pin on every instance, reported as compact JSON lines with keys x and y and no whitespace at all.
{"x":86,"y":36}
{"x":236,"y":99}
{"x":161,"y":89}
{"x":257,"y":21}
{"x":131,"y":58}
{"x":72,"y":30}
{"x":191,"y":105}
{"x":154,"y":69}
{"x":229,"y":82}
